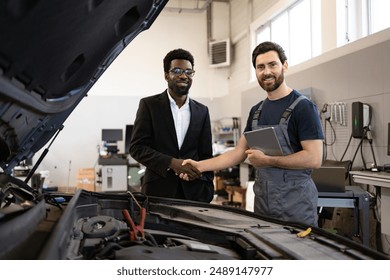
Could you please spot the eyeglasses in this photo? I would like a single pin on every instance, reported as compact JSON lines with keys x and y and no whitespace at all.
{"x":179,"y":72}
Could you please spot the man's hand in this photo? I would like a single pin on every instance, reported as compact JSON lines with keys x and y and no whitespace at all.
{"x":257,"y":158}
{"x":189,"y":170}
{"x":188,"y":162}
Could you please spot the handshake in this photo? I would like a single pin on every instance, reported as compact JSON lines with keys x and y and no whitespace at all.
{"x":185,"y":169}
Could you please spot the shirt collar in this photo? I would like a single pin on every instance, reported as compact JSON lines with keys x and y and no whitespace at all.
{"x":173,"y":102}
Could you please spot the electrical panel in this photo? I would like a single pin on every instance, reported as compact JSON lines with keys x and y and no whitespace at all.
{"x":360,"y":119}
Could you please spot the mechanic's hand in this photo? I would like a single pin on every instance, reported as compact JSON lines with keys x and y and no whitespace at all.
{"x":257,"y":158}
{"x":180,"y":168}
{"x":188,"y":162}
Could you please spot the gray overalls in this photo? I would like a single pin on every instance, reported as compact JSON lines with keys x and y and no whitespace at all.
{"x":285,"y":194}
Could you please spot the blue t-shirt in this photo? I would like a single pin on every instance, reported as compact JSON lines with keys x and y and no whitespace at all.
{"x":304,"y":122}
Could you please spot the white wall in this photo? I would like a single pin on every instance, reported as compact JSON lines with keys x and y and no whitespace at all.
{"x":138,"y":71}
{"x":77,"y":145}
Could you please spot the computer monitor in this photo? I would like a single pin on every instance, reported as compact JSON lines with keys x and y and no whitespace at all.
{"x":112,"y":135}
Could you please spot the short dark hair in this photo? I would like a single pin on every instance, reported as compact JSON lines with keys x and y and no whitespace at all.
{"x":177,"y":54}
{"x":266,"y":47}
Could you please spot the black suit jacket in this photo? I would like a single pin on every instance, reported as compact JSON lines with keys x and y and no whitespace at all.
{"x":154,"y":143}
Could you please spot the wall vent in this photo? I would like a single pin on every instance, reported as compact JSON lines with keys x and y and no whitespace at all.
{"x":219,"y":53}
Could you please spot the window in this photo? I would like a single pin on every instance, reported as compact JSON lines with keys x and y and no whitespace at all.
{"x":300,"y":33}
{"x":297,"y":30}
{"x":379,"y":15}
{"x":360,"y":18}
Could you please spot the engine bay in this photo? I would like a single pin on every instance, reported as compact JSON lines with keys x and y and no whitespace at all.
{"x":121,"y":226}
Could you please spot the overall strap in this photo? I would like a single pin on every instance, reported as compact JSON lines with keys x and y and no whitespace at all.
{"x":286,"y":114}
{"x":256,"y":115}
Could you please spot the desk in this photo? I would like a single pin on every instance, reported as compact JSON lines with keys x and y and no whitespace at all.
{"x":353,"y":197}
{"x":382,"y":180}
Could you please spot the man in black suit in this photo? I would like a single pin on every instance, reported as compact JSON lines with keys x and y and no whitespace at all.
{"x":170,"y":127}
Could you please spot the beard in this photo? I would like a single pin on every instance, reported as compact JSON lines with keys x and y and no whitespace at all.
{"x":179,"y":90}
{"x":271,"y":87}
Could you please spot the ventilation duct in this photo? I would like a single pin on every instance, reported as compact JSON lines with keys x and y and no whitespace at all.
{"x":219,"y":53}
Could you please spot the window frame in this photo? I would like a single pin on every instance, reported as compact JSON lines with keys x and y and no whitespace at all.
{"x":271,"y":16}
{"x":361,"y":17}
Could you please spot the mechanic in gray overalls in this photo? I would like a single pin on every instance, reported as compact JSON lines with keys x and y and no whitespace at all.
{"x":285,"y":194}
{"x":283,"y":187}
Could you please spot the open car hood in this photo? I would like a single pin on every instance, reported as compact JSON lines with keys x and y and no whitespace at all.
{"x":51,"y":54}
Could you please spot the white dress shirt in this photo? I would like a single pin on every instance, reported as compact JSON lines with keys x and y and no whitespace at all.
{"x":181,"y":117}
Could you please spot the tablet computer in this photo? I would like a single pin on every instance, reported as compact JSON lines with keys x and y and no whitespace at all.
{"x":265,"y":140}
